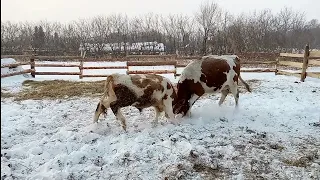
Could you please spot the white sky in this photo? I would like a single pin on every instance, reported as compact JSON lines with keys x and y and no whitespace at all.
{"x":68,"y":10}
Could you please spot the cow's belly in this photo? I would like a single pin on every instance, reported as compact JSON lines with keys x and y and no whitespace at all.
{"x":144,"y":102}
{"x":214,"y":89}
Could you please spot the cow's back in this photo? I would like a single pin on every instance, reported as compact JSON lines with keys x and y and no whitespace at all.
{"x":212,"y":72}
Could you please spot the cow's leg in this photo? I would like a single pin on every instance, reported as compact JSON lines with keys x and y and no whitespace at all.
{"x":155,"y":121}
{"x":117,"y":111}
{"x":235,"y":92}
{"x":192,"y":100}
{"x":168,"y":108}
{"x":104,"y":104}
{"x":100,"y":109}
{"x":224,"y":94}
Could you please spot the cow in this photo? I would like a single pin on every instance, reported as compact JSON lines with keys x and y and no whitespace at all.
{"x":140,"y":91}
{"x":209,"y":74}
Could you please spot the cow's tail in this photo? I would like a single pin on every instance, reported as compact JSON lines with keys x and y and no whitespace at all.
{"x":108,"y":86}
{"x":245,"y":84}
{"x":101,"y":107}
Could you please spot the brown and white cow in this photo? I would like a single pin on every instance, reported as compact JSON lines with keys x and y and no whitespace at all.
{"x":140,"y":91}
{"x":210,"y":74}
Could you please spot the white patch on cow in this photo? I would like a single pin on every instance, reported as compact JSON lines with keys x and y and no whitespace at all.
{"x":192,"y":71}
{"x":126,"y":80}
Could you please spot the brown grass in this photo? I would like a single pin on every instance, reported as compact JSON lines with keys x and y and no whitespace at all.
{"x":6,"y":94}
{"x":57,"y":89}
{"x":60,"y":89}
{"x":303,"y":161}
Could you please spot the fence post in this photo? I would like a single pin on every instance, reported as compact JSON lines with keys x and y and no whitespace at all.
{"x":276,"y":67}
{"x":127,"y":68}
{"x":32,"y":66}
{"x":175,"y":70}
{"x":81,"y":69}
{"x":305,"y":63}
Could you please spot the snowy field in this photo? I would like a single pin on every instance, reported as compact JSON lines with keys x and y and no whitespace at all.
{"x":271,"y":136}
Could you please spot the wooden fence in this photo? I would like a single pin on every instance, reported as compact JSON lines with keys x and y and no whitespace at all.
{"x":170,"y":61}
{"x":309,"y":58}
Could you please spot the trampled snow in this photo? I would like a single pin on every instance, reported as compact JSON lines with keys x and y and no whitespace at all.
{"x":269,"y":136}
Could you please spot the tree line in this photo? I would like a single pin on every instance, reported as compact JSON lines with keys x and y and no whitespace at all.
{"x":211,"y":30}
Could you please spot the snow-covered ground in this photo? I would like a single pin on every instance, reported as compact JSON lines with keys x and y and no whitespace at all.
{"x":268,"y":137}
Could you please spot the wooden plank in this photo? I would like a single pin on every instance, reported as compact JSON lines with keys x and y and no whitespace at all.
{"x":57,"y":57}
{"x":291,"y":55}
{"x":314,"y":54}
{"x":151,"y":56}
{"x":14,"y":56}
{"x":258,"y":62}
{"x":305,"y":63}
{"x":151,"y":63}
{"x":57,"y":73}
{"x":15,"y":64}
{"x":32,"y":67}
{"x":16,"y":73}
{"x":95,"y":75}
{"x":104,"y":67}
{"x":81,"y":69}
{"x":288,"y":73}
{"x":152,"y":72}
{"x":104,"y":59}
{"x":57,"y":65}
{"x":314,"y":62}
{"x":257,"y":70}
{"x":314,"y":74}
{"x":189,"y":57}
{"x":289,"y":63}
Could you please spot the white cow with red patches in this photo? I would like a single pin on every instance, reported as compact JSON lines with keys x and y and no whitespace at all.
{"x":140,"y":91}
{"x":210,"y":74}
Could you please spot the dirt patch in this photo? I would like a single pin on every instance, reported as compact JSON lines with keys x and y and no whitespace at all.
{"x":303,"y":161}
{"x":57,"y":89}
{"x":253,"y":83}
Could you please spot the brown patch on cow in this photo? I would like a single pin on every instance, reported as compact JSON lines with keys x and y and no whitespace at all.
{"x":203,"y":78}
{"x":235,"y":78}
{"x":150,"y":84}
{"x":213,"y":72}
{"x":165,"y":96}
{"x":168,"y":86}
{"x":236,"y":69}
{"x":149,"y":79}
{"x":185,"y":90}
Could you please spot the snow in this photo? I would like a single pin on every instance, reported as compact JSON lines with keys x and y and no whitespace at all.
{"x":56,"y":139}
{"x":109,"y":47}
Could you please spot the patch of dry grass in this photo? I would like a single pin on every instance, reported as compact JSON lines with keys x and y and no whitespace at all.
{"x":303,"y":161}
{"x":6,"y":94}
{"x":57,"y":89}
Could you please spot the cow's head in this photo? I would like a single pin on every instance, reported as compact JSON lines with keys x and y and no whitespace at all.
{"x":181,"y":105}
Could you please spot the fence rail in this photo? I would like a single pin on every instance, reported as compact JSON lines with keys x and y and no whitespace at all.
{"x":304,"y":65}
{"x":80,"y":60}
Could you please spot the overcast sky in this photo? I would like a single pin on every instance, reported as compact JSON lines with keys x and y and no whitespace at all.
{"x":68,"y":10}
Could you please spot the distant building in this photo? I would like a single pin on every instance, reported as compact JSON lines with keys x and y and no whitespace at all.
{"x":133,"y":48}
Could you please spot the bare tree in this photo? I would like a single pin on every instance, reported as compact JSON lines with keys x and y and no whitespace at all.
{"x":208,"y":17}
